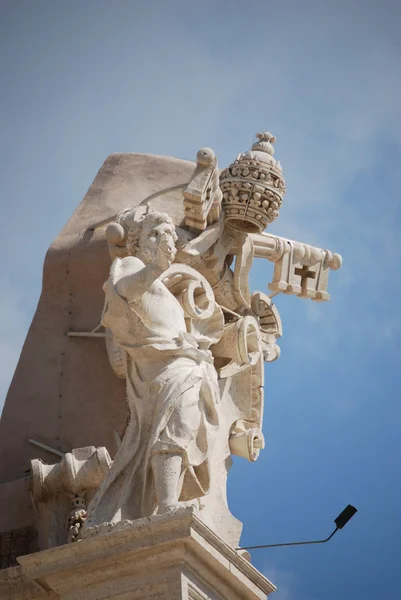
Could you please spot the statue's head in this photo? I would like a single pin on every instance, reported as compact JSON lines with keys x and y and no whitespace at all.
{"x":145,"y":236}
{"x":139,"y":232}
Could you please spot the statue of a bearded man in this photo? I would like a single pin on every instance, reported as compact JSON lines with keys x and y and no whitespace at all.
{"x":172,"y":387}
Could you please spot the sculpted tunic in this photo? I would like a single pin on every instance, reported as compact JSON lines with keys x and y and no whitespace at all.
{"x":172,"y":392}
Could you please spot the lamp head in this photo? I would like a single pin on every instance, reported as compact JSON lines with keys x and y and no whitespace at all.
{"x":345,"y":516}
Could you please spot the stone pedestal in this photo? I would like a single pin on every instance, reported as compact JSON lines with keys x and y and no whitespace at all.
{"x":167,"y":557}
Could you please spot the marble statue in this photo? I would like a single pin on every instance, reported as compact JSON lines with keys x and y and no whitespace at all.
{"x":185,"y":332}
{"x":190,"y":339}
{"x":172,"y":386}
{"x":164,"y":319}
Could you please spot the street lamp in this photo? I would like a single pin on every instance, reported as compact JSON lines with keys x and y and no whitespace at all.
{"x":340,"y":521}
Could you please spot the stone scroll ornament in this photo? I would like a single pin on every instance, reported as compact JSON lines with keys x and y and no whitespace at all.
{"x":190,"y":339}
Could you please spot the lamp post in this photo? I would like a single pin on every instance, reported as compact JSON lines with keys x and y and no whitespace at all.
{"x":340,"y":521}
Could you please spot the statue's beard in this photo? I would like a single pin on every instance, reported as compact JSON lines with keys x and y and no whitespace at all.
{"x":146,"y":255}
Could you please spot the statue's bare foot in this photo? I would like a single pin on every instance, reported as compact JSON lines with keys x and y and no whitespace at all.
{"x":165,"y":507}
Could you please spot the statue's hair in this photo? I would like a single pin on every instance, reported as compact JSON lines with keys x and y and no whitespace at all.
{"x":135,"y":226}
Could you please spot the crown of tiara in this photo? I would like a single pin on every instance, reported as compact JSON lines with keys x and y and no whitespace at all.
{"x":253,"y":187}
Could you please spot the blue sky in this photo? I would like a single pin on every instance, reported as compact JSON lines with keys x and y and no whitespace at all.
{"x":80,"y":80}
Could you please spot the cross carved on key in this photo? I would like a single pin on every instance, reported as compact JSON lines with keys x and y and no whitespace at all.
{"x":305,"y":274}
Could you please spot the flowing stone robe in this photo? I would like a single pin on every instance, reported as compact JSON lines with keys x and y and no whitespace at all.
{"x":172,"y":392}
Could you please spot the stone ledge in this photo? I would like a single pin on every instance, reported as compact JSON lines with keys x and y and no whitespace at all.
{"x":14,"y":585}
{"x":169,"y":554}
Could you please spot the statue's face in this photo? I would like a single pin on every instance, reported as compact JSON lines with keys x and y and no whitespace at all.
{"x":155,"y":235}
